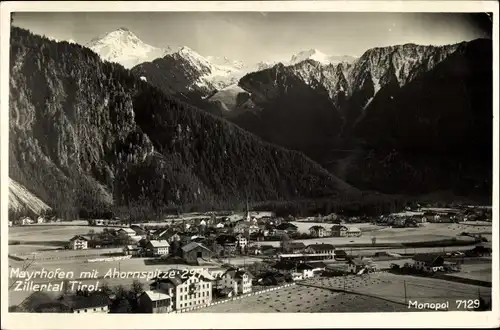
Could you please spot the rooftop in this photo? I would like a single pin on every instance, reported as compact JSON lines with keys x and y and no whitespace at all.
{"x":158,"y":244}
{"x":155,"y":295}
{"x":82,"y":301}
{"x":237,"y":273}
{"x":193,"y":245}
{"x":128,"y":230}
{"x":321,"y":247}
{"x":78,"y":237}
{"x":427,"y":258}
{"x":295,"y":245}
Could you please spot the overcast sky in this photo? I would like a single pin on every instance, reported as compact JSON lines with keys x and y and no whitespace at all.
{"x":253,"y":36}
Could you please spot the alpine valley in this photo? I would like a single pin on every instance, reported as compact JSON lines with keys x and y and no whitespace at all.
{"x":120,"y":123}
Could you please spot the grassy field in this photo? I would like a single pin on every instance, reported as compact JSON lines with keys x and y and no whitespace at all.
{"x":387,"y":235}
{"x":45,"y":233}
{"x":378,"y":292}
{"x":303,"y":227}
{"x":42,"y":238}
{"x":480,"y":271}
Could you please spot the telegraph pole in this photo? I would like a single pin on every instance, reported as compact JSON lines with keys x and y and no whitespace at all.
{"x":406,"y":297}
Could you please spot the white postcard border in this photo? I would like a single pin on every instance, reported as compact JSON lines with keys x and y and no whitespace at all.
{"x":243,"y":320}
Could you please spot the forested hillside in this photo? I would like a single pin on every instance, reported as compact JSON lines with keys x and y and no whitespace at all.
{"x":88,"y":137}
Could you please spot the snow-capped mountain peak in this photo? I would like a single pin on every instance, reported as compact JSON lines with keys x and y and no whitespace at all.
{"x":193,"y":57}
{"x":311,"y":54}
{"x":318,"y":56}
{"x":124,"y":47}
{"x":227,"y":62}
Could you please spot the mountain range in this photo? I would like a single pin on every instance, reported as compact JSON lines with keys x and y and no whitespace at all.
{"x":88,"y":134}
{"x":182,"y":69}
{"x":336,"y":111}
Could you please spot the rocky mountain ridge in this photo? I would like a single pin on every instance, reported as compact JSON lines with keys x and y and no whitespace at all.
{"x":88,"y":137}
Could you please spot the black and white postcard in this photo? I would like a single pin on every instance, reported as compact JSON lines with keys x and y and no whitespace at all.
{"x":249,"y":164}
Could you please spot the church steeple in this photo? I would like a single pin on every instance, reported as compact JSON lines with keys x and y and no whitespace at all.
{"x":247,"y":215}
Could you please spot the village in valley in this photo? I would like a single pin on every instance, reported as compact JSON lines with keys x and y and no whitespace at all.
{"x":254,"y":261}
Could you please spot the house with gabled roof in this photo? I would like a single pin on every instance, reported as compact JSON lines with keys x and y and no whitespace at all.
{"x":157,"y":248}
{"x":287,"y":228}
{"x":155,"y":301}
{"x":357,"y":265}
{"x":237,"y":279}
{"x":139,"y":231}
{"x":187,"y":289}
{"x":132,"y":250}
{"x":427,"y":261}
{"x":228,"y":243}
{"x":339,"y":230}
{"x":78,"y":242}
{"x":293,"y":247}
{"x":87,"y":302}
{"x":192,"y":252}
{"x":320,"y":248}
{"x":127,"y":231}
{"x":318,"y":231}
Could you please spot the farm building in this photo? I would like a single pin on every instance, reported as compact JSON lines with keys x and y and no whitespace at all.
{"x":194,"y":251}
{"x":78,"y":242}
{"x":428,"y":262}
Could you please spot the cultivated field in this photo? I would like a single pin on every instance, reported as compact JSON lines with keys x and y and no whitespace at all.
{"x":299,"y":298}
{"x":377,"y":292}
{"x":392,"y":287}
{"x":302,"y":299}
